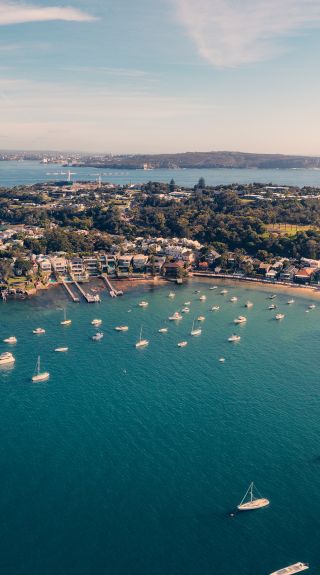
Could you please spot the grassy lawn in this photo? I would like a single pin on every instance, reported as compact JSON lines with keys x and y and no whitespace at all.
{"x":287,"y":229}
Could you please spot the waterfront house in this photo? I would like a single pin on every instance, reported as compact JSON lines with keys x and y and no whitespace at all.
{"x":139,"y":262}
{"x":77,"y":269}
{"x":59,"y":264}
{"x":288,"y":274}
{"x":124,"y":265}
{"x":305,"y":275}
{"x":155,"y":264}
{"x":91,"y":265}
{"x":173,"y":269}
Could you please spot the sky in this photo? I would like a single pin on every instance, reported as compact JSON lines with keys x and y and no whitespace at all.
{"x":147,"y":76}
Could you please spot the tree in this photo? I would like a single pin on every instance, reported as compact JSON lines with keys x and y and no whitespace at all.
{"x":5,"y":269}
{"x":201,"y":184}
{"x":172,"y":186}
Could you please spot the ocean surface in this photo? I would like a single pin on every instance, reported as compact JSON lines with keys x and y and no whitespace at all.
{"x":129,"y":462}
{"x":15,"y":173}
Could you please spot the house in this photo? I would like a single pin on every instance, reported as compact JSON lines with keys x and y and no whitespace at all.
{"x":173,"y":269}
{"x":305,"y":275}
{"x":271,"y":274}
{"x":91,"y":264}
{"x":44,"y":264}
{"x":59,"y":264}
{"x":288,"y":274}
{"x":155,"y":265}
{"x":77,"y":268}
{"x":139,"y":262}
{"x":264,"y":269}
{"x":124,"y":265}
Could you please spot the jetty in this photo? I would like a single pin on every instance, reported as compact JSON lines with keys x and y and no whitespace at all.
{"x":74,"y":298}
{"x":90,"y":298}
{"x":112,"y":291}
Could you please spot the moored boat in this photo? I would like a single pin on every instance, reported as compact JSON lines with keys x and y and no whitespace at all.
{"x":234,"y":338}
{"x":39,"y":330}
{"x":279,"y":316}
{"x":252,"y":502}
{"x":171,"y":294}
{"x":215,"y":308}
{"x":143,"y":304}
{"x":195,"y":331}
{"x":224,"y":291}
{"x":6,"y":358}
{"x":203,"y":298}
{"x":249,"y":304}
{"x":61,"y":349}
{"x":233,"y":299}
{"x":175,"y":316}
{"x":142,"y":342}
{"x":38,"y":375}
{"x":121,"y":328}
{"x":98,"y":336}
{"x":240,"y":319}
{"x":11,"y":339}
{"x":163,"y":330}
{"x":96,"y":322}
{"x":182,"y":344}
{"x":291,"y":569}
{"x":290,"y":301}
{"x":65,"y":321}
{"x":201,"y":318}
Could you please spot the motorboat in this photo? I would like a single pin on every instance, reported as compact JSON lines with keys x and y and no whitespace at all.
{"x":215,"y":308}
{"x":279,"y":316}
{"x":185,"y":310}
{"x":186,"y":303}
{"x":290,"y":301}
{"x":61,"y":349}
{"x":272,"y":296}
{"x":163,"y":330}
{"x":11,"y":339}
{"x":295,"y":568}
{"x":201,"y":318}
{"x":312,"y":306}
{"x":233,"y":338}
{"x":143,"y":304}
{"x":171,"y":294}
{"x":203,"y":298}
{"x":97,"y":336}
{"x":6,"y":358}
{"x":38,"y":375}
{"x":182,"y":344}
{"x":176,"y":316}
{"x":248,"y":304}
{"x":39,"y":330}
{"x":222,"y":359}
{"x":224,"y":291}
{"x":121,"y":328}
{"x":272,"y":306}
{"x":96,"y":322}
{"x":240,"y":319}
{"x":250,"y":502}
{"x":213,"y":287}
{"x":142,"y":342}
{"x":233,"y":299}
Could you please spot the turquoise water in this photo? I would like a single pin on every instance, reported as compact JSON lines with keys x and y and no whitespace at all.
{"x":128,"y":462}
{"x":14,"y":173}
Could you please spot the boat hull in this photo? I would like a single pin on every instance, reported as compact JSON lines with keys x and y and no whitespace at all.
{"x":295,"y":568}
{"x":253,"y":505}
{"x":41,"y":377}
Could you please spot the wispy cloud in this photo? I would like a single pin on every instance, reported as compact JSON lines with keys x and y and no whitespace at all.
{"x":230,"y":33}
{"x":12,"y":12}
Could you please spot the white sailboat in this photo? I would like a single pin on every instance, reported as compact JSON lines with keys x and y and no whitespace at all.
{"x":61,"y":349}
{"x":295,"y":568}
{"x":253,"y":502}
{"x":196,"y":331}
{"x":142,"y":342}
{"x":65,"y":320}
{"x":12,"y":339}
{"x":38,"y":376}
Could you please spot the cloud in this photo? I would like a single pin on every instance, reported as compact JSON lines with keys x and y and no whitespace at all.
{"x":18,"y":13}
{"x":230,"y":33}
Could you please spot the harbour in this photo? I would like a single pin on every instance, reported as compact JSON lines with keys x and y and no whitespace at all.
{"x":160,"y":443}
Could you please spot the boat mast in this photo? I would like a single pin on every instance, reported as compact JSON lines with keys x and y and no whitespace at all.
{"x":250,"y":488}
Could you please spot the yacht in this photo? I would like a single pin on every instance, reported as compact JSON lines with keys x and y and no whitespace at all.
{"x":11,"y":339}
{"x":272,"y":296}
{"x":6,"y":358}
{"x":142,"y":342}
{"x":39,"y":330}
{"x":65,"y":320}
{"x":233,"y":299}
{"x":143,"y":304}
{"x":213,"y":287}
{"x":98,"y":336}
{"x":171,"y":294}
{"x":224,"y":291}
{"x":175,"y":316}
{"x":250,"y":502}
{"x":222,"y":359}
{"x":272,"y":306}
{"x":61,"y":349}
{"x":185,"y":310}
{"x":312,"y":306}
{"x":240,"y":319}
{"x":163,"y":330}
{"x":290,"y":301}
{"x":38,"y":375}
{"x":295,"y":568}
{"x":96,"y":322}
{"x":201,"y":318}
{"x":203,"y":298}
{"x":195,"y":331}
{"x":234,"y":338}
{"x":249,"y":304}
{"x":187,"y":303}
{"x":121,"y":328}
{"x":279,"y":316}
{"x":215,"y":308}
{"x":182,"y":344}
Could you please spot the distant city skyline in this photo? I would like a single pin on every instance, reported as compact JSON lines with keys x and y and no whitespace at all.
{"x":131,"y":77}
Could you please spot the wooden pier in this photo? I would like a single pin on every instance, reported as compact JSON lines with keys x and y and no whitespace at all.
{"x":113,"y":292}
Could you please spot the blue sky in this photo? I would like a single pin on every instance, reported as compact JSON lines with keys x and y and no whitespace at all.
{"x":136,"y":76}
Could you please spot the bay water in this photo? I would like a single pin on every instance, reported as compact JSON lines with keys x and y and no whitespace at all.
{"x":129,"y":462}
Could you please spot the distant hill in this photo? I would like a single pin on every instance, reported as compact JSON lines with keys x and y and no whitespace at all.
{"x":203,"y":160}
